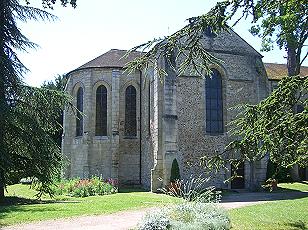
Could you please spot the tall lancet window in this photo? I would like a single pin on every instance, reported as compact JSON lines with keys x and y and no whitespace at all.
{"x":214,"y":103}
{"x":101,"y":111}
{"x":130,"y":112}
{"x":79,"y":118}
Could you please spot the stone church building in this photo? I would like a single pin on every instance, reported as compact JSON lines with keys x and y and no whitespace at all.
{"x":136,"y":125}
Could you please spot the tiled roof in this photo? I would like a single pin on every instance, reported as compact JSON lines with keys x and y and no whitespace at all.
{"x":277,"y":71}
{"x":112,"y":58}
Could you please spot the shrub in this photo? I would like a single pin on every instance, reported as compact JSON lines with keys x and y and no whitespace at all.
{"x":85,"y":187}
{"x":279,"y":173}
{"x":175,"y":171}
{"x":194,"y":189}
{"x":270,"y":184}
{"x":188,"y":215}
{"x":196,"y":215}
{"x":198,"y":210}
{"x":156,"y":220}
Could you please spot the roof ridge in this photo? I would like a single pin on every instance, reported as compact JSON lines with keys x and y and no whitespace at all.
{"x":111,"y":58}
{"x":276,"y":71}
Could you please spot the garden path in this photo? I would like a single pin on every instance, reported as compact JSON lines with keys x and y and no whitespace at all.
{"x":128,"y":219}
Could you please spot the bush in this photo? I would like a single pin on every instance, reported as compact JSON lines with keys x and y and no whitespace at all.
{"x":188,"y":215}
{"x":193,"y":189}
{"x":198,"y":210}
{"x":281,"y":174}
{"x":155,"y":221}
{"x":270,"y":184}
{"x":195,"y":215}
{"x":175,"y":171}
{"x":85,"y":187}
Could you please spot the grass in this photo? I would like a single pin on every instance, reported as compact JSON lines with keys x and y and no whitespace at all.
{"x":296,"y":186}
{"x":276,"y":215}
{"x":64,"y":206}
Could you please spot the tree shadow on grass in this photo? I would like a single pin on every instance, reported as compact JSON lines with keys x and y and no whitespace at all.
{"x":131,"y":189}
{"x":13,"y":204}
{"x":297,"y":225}
{"x":7,"y":210}
{"x":14,"y":200}
{"x":303,"y":182}
{"x":280,"y":189}
{"x":263,"y":196}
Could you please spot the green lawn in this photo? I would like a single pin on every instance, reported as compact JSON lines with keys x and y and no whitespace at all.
{"x":296,"y":186}
{"x":276,"y":215}
{"x":68,"y":206}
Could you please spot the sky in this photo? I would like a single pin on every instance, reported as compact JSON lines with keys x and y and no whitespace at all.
{"x":96,"y":26}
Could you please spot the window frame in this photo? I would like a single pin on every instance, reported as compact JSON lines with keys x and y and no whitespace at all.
{"x":130,"y":113}
{"x":79,"y":116}
{"x":101,"y":128}
{"x":214,"y":104}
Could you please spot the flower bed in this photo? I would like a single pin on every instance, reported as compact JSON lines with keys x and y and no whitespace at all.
{"x":86,"y":187}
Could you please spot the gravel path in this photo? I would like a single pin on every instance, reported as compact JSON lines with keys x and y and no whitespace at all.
{"x":128,"y":219}
{"x":117,"y":221}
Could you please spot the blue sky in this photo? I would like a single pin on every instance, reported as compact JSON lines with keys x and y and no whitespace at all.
{"x":96,"y":26}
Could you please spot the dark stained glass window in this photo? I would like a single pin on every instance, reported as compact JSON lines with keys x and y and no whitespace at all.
{"x":130,"y":112}
{"x":79,"y":118}
{"x":101,"y":111}
{"x":214,"y":107}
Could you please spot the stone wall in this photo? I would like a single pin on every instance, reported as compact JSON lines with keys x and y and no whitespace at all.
{"x":170,"y":118}
{"x":147,"y":102}
{"x":111,"y":156}
{"x":243,"y":80}
{"x":241,"y":83}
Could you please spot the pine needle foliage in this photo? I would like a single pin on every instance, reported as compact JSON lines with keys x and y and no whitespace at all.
{"x":27,"y":114}
{"x":274,"y":127}
{"x":283,"y":22}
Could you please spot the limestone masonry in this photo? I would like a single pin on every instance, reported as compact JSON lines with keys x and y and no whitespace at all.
{"x":152,"y":122}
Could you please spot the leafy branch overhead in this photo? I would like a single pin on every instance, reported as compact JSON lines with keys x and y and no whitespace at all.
{"x":284,"y":22}
{"x":50,"y":3}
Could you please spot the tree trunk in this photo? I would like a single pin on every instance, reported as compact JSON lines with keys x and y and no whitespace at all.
{"x":2,"y":99}
{"x":252,"y":185}
{"x":2,"y":127}
{"x":292,"y":62}
{"x":1,"y":187}
{"x":294,"y":173}
{"x":293,"y":65}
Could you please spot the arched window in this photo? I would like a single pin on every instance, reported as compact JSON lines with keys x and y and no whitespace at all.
{"x":214,"y":108}
{"x":130,"y":112}
{"x":79,"y":118}
{"x":101,"y":111}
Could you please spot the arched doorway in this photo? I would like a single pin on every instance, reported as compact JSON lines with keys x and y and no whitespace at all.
{"x":238,"y":182}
